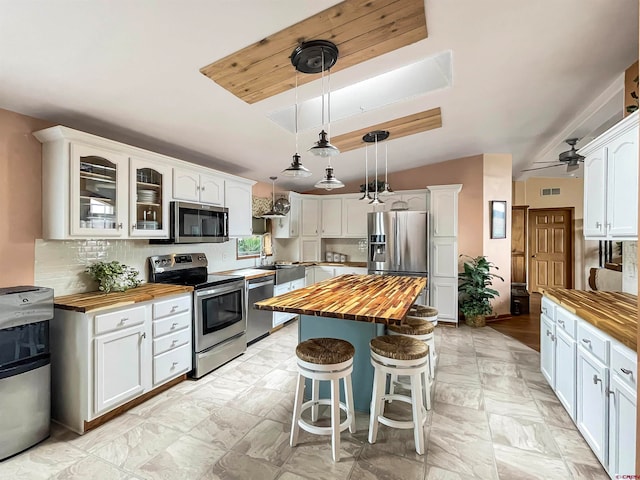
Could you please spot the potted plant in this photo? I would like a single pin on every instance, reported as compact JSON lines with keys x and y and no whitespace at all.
{"x":475,"y":291}
{"x":113,"y":276}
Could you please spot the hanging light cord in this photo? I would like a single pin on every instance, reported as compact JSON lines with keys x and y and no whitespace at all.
{"x":296,"y":112}
{"x":328,"y":102}
{"x":375,"y":192}
{"x":322,"y":80}
{"x":386,"y":151}
{"x":366,"y":171}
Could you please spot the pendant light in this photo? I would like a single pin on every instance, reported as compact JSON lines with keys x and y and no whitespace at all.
{"x":329,"y":182}
{"x":374,"y":137}
{"x":273,"y":213}
{"x":316,"y":56}
{"x":365,"y":195}
{"x":387,"y":188}
{"x":296,"y":169}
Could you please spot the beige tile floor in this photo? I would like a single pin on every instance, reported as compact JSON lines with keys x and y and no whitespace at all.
{"x":493,"y":417}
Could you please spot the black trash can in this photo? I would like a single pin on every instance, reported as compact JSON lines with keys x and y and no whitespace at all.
{"x":519,"y":299}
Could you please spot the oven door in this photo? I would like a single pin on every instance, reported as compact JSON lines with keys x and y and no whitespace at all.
{"x":219,"y":314}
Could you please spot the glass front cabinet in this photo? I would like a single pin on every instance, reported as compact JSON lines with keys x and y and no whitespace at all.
{"x":114,"y":195}
{"x":148,"y":202}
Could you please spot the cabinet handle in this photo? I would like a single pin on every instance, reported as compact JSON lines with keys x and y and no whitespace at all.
{"x":202,"y":189}
{"x":134,"y":226}
{"x":561,"y":322}
{"x":586,"y":340}
{"x":144,"y":334}
{"x":596,"y":379}
{"x":553,"y":338}
{"x":548,"y":333}
{"x":174,"y":308}
{"x":598,"y":224}
{"x":123,"y":320}
{"x":625,"y":371}
{"x":173,"y":344}
{"x":610,"y":392}
{"x":197,"y":187}
{"x":173,"y":325}
{"x":544,"y":310}
{"x":120,"y":225}
{"x":173,"y":365}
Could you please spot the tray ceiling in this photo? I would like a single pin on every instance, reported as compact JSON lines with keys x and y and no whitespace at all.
{"x":362,"y":30}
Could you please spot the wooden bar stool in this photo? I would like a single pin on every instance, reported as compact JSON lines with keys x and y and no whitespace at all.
{"x":398,"y":355}
{"x":429,"y":314}
{"x":422,"y":330}
{"x":322,"y":359}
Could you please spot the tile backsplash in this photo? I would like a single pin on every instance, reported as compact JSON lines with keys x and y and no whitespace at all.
{"x":630,"y":267}
{"x":61,"y":264}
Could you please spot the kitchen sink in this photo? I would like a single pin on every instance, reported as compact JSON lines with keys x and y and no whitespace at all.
{"x":285,"y":273}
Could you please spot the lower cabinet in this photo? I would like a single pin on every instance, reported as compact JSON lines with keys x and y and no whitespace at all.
{"x":595,"y":378}
{"x":100,"y":361}
{"x":591,"y":417}
{"x":281,"y":317}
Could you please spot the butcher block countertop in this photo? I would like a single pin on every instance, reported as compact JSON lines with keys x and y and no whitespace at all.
{"x":614,"y":313}
{"x":248,"y":273}
{"x":87,"y":302}
{"x":367,"y":298}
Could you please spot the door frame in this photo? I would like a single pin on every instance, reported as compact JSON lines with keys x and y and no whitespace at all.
{"x":571,"y":272}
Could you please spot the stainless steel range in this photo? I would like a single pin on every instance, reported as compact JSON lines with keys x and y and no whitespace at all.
{"x":219,"y":309}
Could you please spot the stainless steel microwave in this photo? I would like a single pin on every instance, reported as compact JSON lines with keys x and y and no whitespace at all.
{"x":197,"y":223}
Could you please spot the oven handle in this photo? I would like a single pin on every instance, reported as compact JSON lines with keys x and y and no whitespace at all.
{"x":261,"y":284}
{"x":218,"y":291}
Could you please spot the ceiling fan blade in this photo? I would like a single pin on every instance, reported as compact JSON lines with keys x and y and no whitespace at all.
{"x":540,"y":168}
{"x":573,"y":167}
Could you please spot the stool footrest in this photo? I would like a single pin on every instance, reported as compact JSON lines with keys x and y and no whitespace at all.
{"x":323,"y":430}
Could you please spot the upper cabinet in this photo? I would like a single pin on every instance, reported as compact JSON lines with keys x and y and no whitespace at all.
{"x":238,"y":201}
{"x":611,"y":183}
{"x":412,"y":200}
{"x":93,"y":187}
{"x":310,"y":217}
{"x":354,"y":216}
{"x":331,"y":217}
{"x":289,"y":225}
{"x":195,"y":186}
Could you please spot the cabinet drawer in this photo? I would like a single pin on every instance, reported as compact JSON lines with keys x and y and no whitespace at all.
{"x":280,"y":289}
{"x":171,"y":364}
{"x":171,"y":324}
{"x":624,"y":364}
{"x":548,"y":308}
{"x":593,"y":341}
{"x":171,"y":307}
{"x":566,"y":321}
{"x":124,"y":318}
{"x":171,"y":341}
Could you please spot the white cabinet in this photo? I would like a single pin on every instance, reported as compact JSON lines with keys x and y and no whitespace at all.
{"x":622,"y":432}
{"x":443,"y":255}
{"x":591,"y":417}
{"x":331,"y":225}
{"x":322,"y":273}
{"x":310,"y":216}
{"x":547,"y":349}
{"x":611,"y":183}
{"x":350,"y":270}
{"x":281,"y":317}
{"x":197,"y":186}
{"x":289,"y":225}
{"x":238,"y":200}
{"x":354,"y":216}
{"x":149,"y":187}
{"x":101,"y":361}
{"x":310,"y":249}
{"x":594,"y":377}
{"x":414,"y":200}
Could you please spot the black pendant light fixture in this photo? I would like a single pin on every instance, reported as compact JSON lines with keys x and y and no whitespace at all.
{"x":296,"y":169}
{"x":375,"y":137}
{"x":329,"y":182}
{"x":365,"y":195}
{"x":273,"y":213}
{"x":316,"y":56}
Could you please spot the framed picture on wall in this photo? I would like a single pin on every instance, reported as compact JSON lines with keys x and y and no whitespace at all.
{"x":498,"y":219}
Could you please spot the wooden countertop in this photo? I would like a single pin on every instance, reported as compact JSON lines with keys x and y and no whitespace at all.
{"x":334,"y":264}
{"x":615,"y":313}
{"x":248,"y":273}
{"x":367,"y":298}
{"x":86,"y":302}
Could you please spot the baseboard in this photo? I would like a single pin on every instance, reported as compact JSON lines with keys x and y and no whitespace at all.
{"x":504,"y":316}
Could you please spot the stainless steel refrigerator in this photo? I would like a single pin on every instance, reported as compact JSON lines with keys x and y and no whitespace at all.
{"x":398,"y":243}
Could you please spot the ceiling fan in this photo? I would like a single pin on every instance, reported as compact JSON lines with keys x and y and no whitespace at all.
{"x":571,"y":158}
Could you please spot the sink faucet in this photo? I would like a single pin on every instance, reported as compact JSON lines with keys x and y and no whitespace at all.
{"x":263,"y":257}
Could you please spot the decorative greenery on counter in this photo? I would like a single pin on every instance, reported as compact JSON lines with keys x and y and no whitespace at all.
{"x":475,"y":294}
{"x":113,"y":276}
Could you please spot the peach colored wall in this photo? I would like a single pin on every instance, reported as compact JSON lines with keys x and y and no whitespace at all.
{"x":571,"y":195}
{"x":497,"y":186}
{"x":263,"y":189}
{"x":20,"y":196}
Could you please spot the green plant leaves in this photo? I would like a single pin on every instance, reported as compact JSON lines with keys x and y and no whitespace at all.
{"x":113,"y":276}
{"x":475,"y":294}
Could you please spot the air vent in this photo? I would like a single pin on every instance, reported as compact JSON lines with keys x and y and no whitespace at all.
{"x":549,"y":191}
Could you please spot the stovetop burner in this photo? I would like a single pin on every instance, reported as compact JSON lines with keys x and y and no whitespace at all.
{"x":185,"y":269}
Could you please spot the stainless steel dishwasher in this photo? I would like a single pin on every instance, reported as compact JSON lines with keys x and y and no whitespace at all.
{"x":259,"y":322}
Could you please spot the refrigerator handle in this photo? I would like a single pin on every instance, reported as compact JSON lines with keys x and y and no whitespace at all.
{"x":396,"y":243}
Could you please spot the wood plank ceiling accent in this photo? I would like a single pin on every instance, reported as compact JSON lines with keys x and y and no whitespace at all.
{"x":361,"y":29}
{"x":400,"y":127}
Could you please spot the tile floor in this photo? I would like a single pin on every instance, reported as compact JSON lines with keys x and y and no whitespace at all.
{"x":494,"y":417}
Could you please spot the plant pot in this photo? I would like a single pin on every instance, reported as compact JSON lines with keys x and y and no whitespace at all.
{"x":475,"y":320}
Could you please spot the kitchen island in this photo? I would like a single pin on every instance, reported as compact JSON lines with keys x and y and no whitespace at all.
{"x":355,"y":308}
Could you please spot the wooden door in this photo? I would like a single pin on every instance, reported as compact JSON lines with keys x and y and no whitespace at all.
{"x":550,"y":248}
{"x":519,"y":244}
